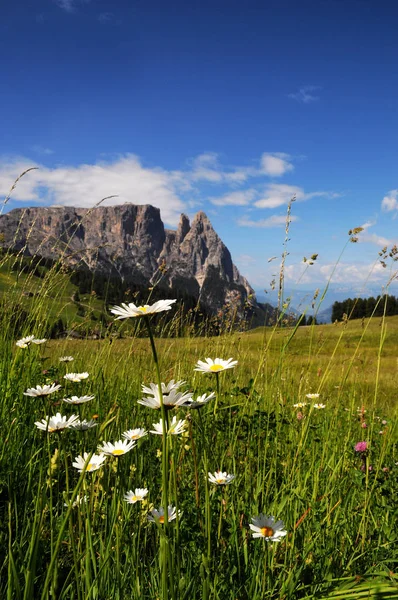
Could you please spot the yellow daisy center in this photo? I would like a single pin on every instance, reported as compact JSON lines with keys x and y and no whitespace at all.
{"x":267,"y":531}
{"x":134,"y":498}
{"x":89,"y":466}
{"x":161,"y":519}
{"x":220,"y":480}
{"x":216,"y":368}
{"x":117,"y":452}
{"x":143,"y":309}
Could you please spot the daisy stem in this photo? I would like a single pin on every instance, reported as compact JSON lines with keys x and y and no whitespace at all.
{"x":220,"y":518}
{"x":195,"y":464}
{"x":164,"y":542}
{"x":218,"y":392}
{"x":62,"y":451}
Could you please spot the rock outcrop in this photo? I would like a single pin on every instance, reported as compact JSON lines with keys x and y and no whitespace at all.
{"x":131,"y":242}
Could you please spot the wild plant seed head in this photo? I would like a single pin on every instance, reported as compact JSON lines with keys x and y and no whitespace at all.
{"x":131,"y":310}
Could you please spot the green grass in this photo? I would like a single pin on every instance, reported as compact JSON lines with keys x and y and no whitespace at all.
{"x":341,"y":520}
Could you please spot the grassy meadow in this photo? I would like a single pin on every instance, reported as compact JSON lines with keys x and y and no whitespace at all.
{"x":303,"y":428}
{"x":71,"y":535}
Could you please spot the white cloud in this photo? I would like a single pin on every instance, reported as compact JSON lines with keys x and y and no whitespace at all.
{"x":70,"y":5}
{"x":373,"y":238}
{"x":343,"y":273}
{"x":105,"y":17}
{"x":242,"y":198}
{"x":127,"y":178}
{"x":278,"y":194}
{"x":42,"y":150}
{"x":390,"y":202}
{"x":305,"y":95}
{"x":273,"y":221}
{"x":245,"y":260}
{"x":275,"y":165}
{"x":87,"y":184}
{"x":207,"y":167}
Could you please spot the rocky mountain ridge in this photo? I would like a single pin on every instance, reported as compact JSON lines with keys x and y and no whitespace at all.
{"x":130,"y":242}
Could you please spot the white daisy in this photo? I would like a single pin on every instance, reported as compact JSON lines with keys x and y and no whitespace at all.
{"x":153,"y":388}
{"x":79,"y":500}
{"x":158,"y":515}
{"x":215,"y":366}
{"x":300,"y":404}
{"x":84,"y":425}
{"x":312,"y":396}
{"x":131,"y":310}
{"x":38,"y":342}
{"x":57,"y":423}
{"x":78,"y":399}
{"x":116,"y":449}
{"x":134,"y":434}
{"x":96,"y":461}
{"x":176,"y":427}
{"x":44,"y":390}
{"x":200,"y":401}
{"x":170,"y":400}
{"x":76,"y":377}
{"x":66,"y":358}
{"x":318,"y":406}
{"x":25,"y":341}
{"x":220,"y":478}
{"x":136,"y":496}
{"x":267,"y":528}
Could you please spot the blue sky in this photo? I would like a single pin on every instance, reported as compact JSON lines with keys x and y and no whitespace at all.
{"x":226,"y":107}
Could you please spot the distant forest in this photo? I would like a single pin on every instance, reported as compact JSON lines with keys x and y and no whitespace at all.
{"x":359,"y":308}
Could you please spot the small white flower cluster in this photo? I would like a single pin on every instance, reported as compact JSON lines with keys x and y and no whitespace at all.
{"x":317,"y":406}
{"x":59,"y":423}
{"x":25,"y":342}
{"x":76,"y":377}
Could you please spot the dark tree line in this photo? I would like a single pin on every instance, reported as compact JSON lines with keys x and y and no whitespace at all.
{"x":359,"y":308}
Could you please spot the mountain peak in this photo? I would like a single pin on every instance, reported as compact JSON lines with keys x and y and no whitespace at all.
{"x":131,"y":242}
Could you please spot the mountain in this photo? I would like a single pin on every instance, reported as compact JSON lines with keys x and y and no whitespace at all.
{"x":130,"y":243}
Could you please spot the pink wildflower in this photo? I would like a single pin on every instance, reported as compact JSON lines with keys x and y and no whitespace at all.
{"x":361,"y":447}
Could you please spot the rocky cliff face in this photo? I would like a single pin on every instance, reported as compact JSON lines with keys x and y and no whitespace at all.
{"x":130,"y":242}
